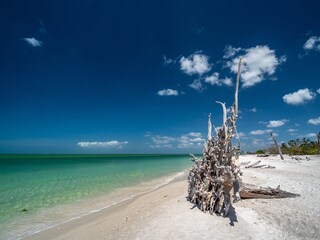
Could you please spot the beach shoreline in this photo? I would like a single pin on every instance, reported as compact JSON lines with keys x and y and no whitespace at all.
{"x":164,"y":213}
{"x":113,"y":214}
{"x":39,"y":193}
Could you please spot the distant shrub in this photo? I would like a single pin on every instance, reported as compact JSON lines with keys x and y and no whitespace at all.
{"x":300,"y":147}
{"x":260,"y":151}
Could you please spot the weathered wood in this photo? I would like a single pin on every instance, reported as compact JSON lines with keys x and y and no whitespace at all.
{"x":263,"y":155}
{"x":209,"y":128}
{"x":253,"y":164}
{"x":264,"y":166}
{"x":275,"y":142}
{"x":213,"y":177}
{"x":251,"y":191}
{"x":244,"y":163}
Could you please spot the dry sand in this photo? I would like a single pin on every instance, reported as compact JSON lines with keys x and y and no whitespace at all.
{"x":165,"y":213}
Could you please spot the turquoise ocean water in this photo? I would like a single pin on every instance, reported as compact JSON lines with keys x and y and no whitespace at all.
{"x":32,"y":185}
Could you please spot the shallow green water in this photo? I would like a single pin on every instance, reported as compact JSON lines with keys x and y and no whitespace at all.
{"x":35,"y":182}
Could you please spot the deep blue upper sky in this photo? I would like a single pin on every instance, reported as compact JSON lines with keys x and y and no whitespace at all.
{"x":93,"y":76}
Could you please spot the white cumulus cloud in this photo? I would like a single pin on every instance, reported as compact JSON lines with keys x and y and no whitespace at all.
{"x":277,"y":123}
{"x":318,"y":91}
{"x":258,"y":63}
{"x":314,"y":121}
{"x":168,"y":92}
{"x":258,"y":132}
{"x":299,"y":97}
{"x":33,"y":42}
{"x":196,"y":63}
{"x":313,"y":43}
{"x":157,"y":139}
{"x":215,"y":80}
{"x":110,"y":144}
{"x":191,"y":140}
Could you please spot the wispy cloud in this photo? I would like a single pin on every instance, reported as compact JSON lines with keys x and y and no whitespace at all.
{"x":110,"y":144}
{"x":215,"y":80}
{"x":259,"y":63}
{"x":310,"y":135}
{"x":189,"y":140}
{"x":197,"y":85}
{"x":313,"y":43}
{"x":258,"y":132}
{"x":259,"y":143}
{"x":196,"y":63}
{"x":199,"y":30}
{"x":230,"y":51}
{"x":253,"y":110}
{"x":291,"y":130}
{"x":33,"y":42}
{"x":318,"y":91}
{"x":167,"y":61}
{"x":42,"y":28}
{"x":242,"y":135}
{"x":276,"y":123}
{"x":299,"y":97}
{"x":157,"y":139}
{"x":168,"y":92}
{"x":314,"y":121}
{"x":161,"y":146}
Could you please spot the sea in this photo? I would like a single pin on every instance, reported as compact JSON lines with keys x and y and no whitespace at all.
{"x":38,"y":192}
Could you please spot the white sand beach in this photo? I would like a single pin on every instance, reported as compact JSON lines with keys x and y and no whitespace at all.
{"x":166,"y":214}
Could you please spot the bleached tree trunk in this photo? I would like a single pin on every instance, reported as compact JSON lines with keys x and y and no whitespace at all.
{"x":209,"y":128}
{"x":275,"y":142}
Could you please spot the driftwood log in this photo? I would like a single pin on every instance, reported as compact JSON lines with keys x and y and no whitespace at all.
{"x":256,"y":164}
{"x":250,"y":191}
{"x":216,"y":174}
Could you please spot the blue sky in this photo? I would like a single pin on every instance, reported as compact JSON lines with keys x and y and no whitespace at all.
{"x":142,"y":76}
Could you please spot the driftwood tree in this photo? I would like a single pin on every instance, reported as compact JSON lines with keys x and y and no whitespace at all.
{"x":214,"y":176}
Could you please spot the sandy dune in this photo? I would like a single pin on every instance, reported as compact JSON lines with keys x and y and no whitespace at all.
{"x":165,"y":213}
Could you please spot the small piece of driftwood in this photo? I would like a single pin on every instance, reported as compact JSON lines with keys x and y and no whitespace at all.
{"x":256,"y":165}
{"x":263,"y":155}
